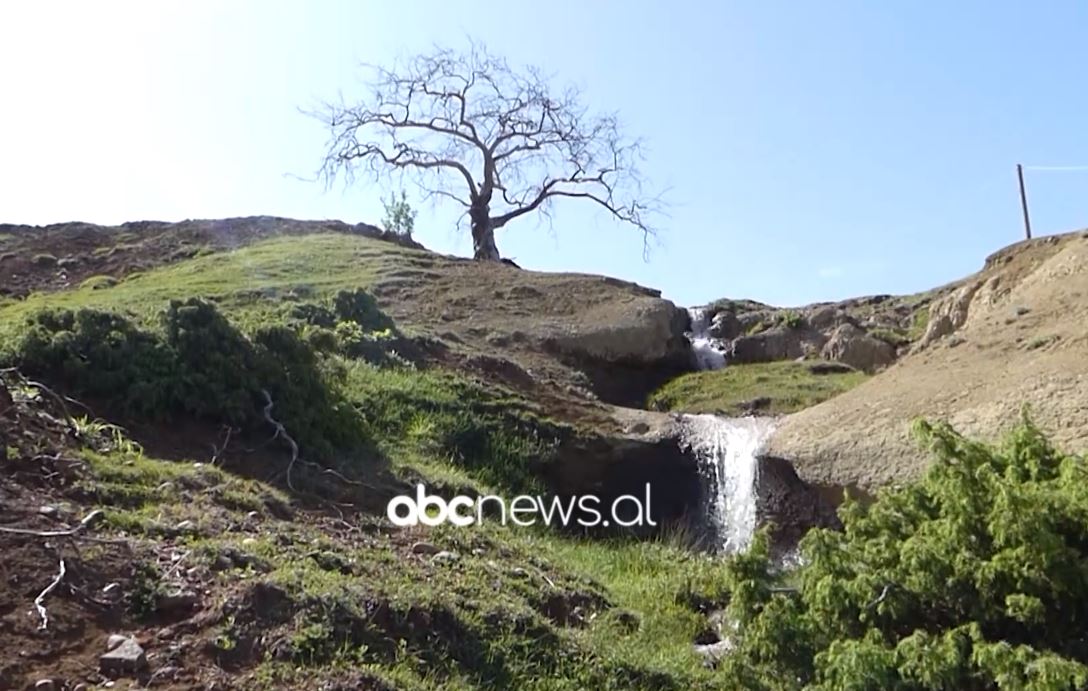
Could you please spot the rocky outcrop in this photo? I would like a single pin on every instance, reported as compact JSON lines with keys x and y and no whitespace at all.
{"x":647,"y":331}
{"x":779,"y":343}
{"x":851,"y":345}
{"x":1011,"y":335}
{"x":866,"y":333}
{"x":639,"y":448}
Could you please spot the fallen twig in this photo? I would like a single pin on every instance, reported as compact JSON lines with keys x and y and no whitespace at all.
{"x":56,"y":533}
{"x":281,"y":431}
{"x":217,"y":450}
{"x":41,"y":597}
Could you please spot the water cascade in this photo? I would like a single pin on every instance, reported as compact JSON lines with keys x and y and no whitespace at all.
{"x":727,"y":451}
{"x":709,"y":351}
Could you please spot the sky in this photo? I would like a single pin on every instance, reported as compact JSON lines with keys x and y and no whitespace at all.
{"x":811,"y":150}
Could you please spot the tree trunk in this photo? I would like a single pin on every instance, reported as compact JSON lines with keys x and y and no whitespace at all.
{"x":483,"y":235}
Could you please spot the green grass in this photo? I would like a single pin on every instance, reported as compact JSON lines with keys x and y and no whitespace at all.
{"x":247,"y":283}
{"x":789,"y":386}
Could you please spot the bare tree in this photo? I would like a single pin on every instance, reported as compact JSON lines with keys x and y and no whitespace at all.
{"x":468,"y":128}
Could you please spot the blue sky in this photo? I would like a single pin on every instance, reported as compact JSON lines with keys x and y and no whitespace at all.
{"x":814,"y":151}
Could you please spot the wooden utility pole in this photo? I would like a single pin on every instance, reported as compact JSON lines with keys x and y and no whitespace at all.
{"x":1024,"y":200}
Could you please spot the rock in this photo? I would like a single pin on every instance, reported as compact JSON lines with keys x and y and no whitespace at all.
{"x":445,"y":557}
{"x":948,"y":314}
{"x":126,"y":658}
{"x":646,"y":332}
{"x":115,"y":640}
{"x":858,"y":349}
{"x":620,"y":458}
{"x":713,"y":653}
{"x":48,"y":511}
{"x":177,"y":601}
{"x":827,"y":317}
{"x":424,"y":548}
{"x":45,"y":685}
{"x":778,"y":343}
{"x":80,"y":687}
{"x":725,"y":325}
{"x":519,"y":572}
{"x":185,"y":526}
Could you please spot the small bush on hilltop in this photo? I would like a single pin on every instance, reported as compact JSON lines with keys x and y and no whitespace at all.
{"x":975,"y":577}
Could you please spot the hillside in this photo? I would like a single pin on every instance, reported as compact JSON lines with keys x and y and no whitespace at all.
{"x":1013,"y":334}
{"x":155,"y":362}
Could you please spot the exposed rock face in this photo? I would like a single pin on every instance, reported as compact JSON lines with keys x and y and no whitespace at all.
{"x":649,"y":331}
{"x":644,"y":448}
{"x":867,"y":333}
{"x":1013,"y":334}
{"x":778,"y":343}
{"x":851,"y":345}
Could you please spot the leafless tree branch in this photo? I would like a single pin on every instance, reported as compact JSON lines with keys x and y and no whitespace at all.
{"x":466,"y":125}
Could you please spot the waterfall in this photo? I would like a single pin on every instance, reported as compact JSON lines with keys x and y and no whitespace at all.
{"x":708,"y":350}
{"x":727,"y":450}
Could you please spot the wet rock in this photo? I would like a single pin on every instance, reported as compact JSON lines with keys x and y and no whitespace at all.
{"x":424,"y":548}
{"x":725,"y":325}
{"x":127,"y":658}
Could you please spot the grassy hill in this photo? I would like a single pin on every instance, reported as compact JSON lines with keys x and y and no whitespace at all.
{"x":239,"y":563}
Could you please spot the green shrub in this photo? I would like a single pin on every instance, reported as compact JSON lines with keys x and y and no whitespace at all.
{"x":199,"y":364}
{"x":791,"y":319}
{"x":360,"y":307}
{"x":972,"y":578}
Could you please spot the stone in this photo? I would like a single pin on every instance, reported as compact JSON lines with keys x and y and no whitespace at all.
{"x":725,"y":325}
{"x":45,"y":685}
{"x":851,"y":345}
{"x":445,"y":556}
{"x":177,"y":600}
{"x":115,"y":640}
{"x":48,"y":511}
{"x":778,"y":343}
{"x":713,"y":653}
{"x":424,"y":548}
{"x":127,"y":658}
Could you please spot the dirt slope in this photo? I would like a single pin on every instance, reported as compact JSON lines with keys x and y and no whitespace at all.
{"x":1015,"y":333}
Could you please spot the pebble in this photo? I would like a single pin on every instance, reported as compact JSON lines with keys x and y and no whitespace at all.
{"x":445,"y":556}
{"x":424,"y":548}
{"x":80,"y":687}
{"x":49,"y":511}
{"x":45,"y":685}
{"x":519,"y":572}
{"x":185,"y":525}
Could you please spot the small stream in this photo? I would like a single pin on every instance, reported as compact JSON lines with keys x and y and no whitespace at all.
{"x":727,"y":450}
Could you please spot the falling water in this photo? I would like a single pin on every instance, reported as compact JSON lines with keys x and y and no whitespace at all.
{"x":708,"y":350}
{"x":727,"y":450}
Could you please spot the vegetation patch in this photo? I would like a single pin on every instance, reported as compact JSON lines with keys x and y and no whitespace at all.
{"x":972,"y":578}
{"x":771,"y":388}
